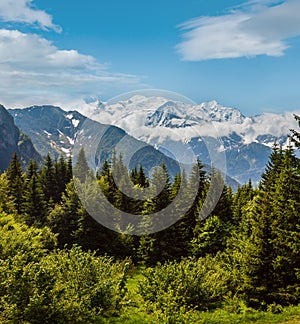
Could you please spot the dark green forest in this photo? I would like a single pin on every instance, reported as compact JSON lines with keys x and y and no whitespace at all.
{"x":240,"y":264}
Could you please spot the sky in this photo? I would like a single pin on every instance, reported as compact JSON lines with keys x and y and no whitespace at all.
{"x":244,"y":54}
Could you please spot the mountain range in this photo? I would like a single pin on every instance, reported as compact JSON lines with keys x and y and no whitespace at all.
{"x":169,"y":124}
{"x":55,"y":131}
{"x":154,"y":126}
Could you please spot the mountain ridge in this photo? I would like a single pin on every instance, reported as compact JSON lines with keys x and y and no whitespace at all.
{"x":246,"y":141}
{"x":12,"y":140}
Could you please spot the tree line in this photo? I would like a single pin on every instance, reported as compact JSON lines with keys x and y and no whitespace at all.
{"x":250,"y":241}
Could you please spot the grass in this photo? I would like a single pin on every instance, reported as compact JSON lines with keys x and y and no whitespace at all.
{"x":135,"y":312}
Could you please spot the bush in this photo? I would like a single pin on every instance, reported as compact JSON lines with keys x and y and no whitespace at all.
{"x":63,"y":287}
{"x":189,"y":284}
{"x":86,"y":286}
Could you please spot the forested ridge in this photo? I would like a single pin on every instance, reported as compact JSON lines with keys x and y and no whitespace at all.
{"x":58,"y":265}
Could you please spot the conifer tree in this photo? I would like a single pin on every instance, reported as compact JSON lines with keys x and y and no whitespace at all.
{"x":63,"y":219}
{"x":48,"y":180}
{"x":69,"y":170}
{"x":15,"y":179}
{"x":62,"y":177}
{"x":81,"y":168}
{"x":258,"y":252}
{"x":33,"y":206}
{"x":286,"y":230}
{"x":223,"y":208}
{"x":142,"y":180}
{"x":272,"y":168}
{"x":271,"y":253}
{"x":32,"y":169}
{"x":6,"y":200}
{"x":241,"y":199}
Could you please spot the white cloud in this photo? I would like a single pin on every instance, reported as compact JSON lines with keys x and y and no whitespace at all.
{"x":34,"y":71}
{"x":24,"y":11}
{"x":258,"y":28}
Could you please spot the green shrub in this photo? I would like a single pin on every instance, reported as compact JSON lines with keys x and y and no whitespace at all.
{"x":86,"y":286}
{"x":63,"y":287}
{"x":189,"y":284}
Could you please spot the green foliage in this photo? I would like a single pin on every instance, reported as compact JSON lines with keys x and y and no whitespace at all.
{"x":244,"y":256}
{"x":15,"y":179}
{"x":18,"y":238}
{"x":85,"y":286}
{"x":6,"y":200}
{"x":209,"y":237}
{"x":271,"y":246}
{"x":34,"y":204}
{"x":189,"y":284}
{"x":81,"y":167}
{"x":40,"y":286}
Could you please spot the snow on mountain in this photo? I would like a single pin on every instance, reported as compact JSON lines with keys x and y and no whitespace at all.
{"x":140,"y":116}
{"x":170,"y":124}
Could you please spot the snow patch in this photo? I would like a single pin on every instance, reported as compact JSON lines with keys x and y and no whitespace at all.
{"x":66,"y":151}
{"x":71,"y":141}
{"x":75,"y":122}
{"x":47,"y":133}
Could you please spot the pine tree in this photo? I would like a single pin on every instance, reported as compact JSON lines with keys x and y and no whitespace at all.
{"x":81,"y":168}
{"x":241,"y":199}
{"x":258,"y":252}
{"x":286,"y":230}
{"x":69,"y":170}
{"x":33,"y":206}
{"x":16,"y":183}
{"x":198,"y":179}
{"x":63,"y":219}
{"x":48,"y":180}
{"x":6,"y":200}
{"x":62,"y":177}
{"x":272,"y":169}
{"x":32,"y":169}
{"x":142,"y":180}
{"x":271,"y":253}
{"x":223,"y":207}
{"x":209,"y":237}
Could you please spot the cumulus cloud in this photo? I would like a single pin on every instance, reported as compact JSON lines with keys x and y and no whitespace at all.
{"x":34,"y":71}
{"x":257,"y":28}
{"x":23,"y":11}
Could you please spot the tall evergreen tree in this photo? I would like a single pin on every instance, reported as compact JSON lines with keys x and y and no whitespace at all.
{"x":272,"y":168}
{"x":33,"y":206}
{"x":48,"y":180}
{"x":81,"y":168}
{"x":16,"y":182}
{"x":62,"y":177}
{"x":286,"y":231}
{"x":271,"y":253}
{"x":63,"y":219}
{"x":241,"y":199}
{"x":32,"y":169}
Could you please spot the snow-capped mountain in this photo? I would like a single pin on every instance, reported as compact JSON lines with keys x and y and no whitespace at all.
{"x":169,"y":124}
{"x":51,"y":129}
{"x":55,"y":131}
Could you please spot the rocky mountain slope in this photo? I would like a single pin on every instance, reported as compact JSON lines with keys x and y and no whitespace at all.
{"x":13,"y":140}
{"x":54,"y":131}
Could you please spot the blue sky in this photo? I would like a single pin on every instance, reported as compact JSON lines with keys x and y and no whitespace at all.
{"x":244,"y":54}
